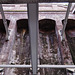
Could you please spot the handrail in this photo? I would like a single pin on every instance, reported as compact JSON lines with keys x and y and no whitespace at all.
{"x":39,"y":66}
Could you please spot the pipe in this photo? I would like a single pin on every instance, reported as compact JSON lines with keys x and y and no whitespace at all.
{"x":39,"y":66}
{"x":56,"y":66}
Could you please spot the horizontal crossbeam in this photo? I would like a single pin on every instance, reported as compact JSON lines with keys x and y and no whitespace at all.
{"x":31,"y":1}
{"x":39,"y":66}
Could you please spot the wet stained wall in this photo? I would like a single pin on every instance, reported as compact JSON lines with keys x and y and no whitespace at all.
{"x":49,"y":47}
{"x":22,"y":46}
{"x":15,"y":16}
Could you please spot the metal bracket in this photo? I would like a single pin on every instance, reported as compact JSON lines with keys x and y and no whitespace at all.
{"x":4,"y":21}
{"x":65,"y":21}
{"x":33,"y":30}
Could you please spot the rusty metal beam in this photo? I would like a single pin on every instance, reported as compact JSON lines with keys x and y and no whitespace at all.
{"x":31,"y":1}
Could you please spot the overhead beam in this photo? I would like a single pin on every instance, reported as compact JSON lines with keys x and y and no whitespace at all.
{"x":33,"y":31}
{"x":4,"y":21}
{"x":31,"y":1}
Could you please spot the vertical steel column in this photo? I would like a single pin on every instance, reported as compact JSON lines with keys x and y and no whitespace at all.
{"x":65,"y":21}
{"x":33,"y":30}
{"x":4,"y":21}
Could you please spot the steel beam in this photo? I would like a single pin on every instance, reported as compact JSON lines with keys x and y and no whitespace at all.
{"x":65,"y":21}
{"x":4,"y":21}
{"x":56,"y":66}
{"x":31,"y":1}
{"x":33,"y":30}
{"x":39,"y":66}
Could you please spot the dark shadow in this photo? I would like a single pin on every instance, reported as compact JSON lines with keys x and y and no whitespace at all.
{"x":2,"y":32}
{"x":2,"y":28}
{"x":22,"y":24}
{"x":47,"y":25}
{"x":70,"y":24}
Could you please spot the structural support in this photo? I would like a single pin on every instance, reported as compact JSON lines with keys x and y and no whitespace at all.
{"x":65,"y":21}
{"x":31,"y":1}
{"x":33,"y":30}
{"x":4,"y":21}
{"x":39,"y":66}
